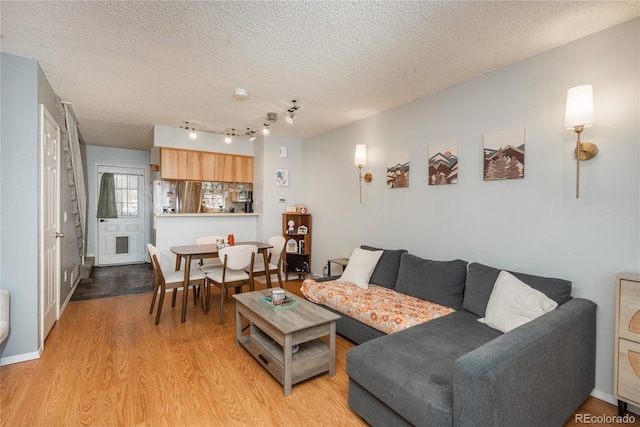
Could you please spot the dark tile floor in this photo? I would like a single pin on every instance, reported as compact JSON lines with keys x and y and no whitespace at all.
{"x":105,"y":282}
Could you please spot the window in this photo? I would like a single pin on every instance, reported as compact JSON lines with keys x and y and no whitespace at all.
{"x":126,"y":194}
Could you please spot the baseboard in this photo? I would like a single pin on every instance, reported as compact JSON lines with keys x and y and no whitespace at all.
{"x":612,"y":400}
{"x":25,"y":357}
{"x":69,"y":296}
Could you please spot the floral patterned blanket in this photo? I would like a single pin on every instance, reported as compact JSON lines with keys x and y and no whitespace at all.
{"x":381,"y":308}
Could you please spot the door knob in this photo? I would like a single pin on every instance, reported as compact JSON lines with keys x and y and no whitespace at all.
{"x":103,"y":220}
{"x":59,"y":235}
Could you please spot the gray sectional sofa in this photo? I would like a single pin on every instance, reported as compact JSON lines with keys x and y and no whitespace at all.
{"x":454,"y":370}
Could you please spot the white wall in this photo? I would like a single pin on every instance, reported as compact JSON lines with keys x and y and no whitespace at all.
{"x":532,"y":225}
{"x":106,"y":156}
{"x":266,"y":194}
{"x":164,"y":136}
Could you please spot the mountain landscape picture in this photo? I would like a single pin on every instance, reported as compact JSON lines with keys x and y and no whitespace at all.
{"x":398,"y":170}
{"x":443,"y":163}
{"x":504,"y":155}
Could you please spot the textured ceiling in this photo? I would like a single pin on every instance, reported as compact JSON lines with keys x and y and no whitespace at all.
{"x":126,"y":66}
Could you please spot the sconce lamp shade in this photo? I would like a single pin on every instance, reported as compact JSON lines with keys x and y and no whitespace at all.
{"x":579,"y":110}
{"x":361,"y":155}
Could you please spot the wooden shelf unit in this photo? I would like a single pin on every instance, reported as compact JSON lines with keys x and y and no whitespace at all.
{"x":294,"y":262}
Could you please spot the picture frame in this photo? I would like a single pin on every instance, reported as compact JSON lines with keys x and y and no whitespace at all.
{"x":303,"y":230}
{"x":292,"y":246}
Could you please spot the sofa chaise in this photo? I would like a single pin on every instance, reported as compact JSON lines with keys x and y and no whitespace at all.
{"x":455,"y":370}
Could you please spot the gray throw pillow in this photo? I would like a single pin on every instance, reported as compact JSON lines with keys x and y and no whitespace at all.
{"x":441,"y":282}
{"x":481,"y":278}
{"x":386,"y":271}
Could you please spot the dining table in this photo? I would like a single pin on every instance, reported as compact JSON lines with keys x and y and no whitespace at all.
{"x":193,"y":252}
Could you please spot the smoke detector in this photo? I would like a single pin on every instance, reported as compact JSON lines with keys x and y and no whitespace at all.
{"x":241,"y":94}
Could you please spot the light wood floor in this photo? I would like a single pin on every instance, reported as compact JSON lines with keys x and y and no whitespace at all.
{"x":106,"y":364}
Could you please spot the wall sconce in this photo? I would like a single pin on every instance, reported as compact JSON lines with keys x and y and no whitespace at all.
{"x":579,"y":115}
{"x":360,"y":160}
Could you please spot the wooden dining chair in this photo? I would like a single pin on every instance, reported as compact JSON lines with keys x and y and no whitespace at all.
{"x":275,"y":260}
{"x":235,"y":259}
{"x":163,"y":280}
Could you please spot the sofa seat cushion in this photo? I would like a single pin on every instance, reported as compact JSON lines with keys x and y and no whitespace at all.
{"x":379,"y":307}
{"x":412,"y":371}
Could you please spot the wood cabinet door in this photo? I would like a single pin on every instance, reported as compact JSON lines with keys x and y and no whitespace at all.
{"x":209,"y":166}
{"x":189,"y":165}
{"x":169,"y":163}
{"x":242,"y":169}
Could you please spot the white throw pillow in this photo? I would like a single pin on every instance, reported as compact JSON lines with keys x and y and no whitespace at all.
{"x":360,"y":267}
{"x":513,"y":303}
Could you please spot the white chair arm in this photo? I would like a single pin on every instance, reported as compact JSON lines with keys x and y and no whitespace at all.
{"x":4,"y":314}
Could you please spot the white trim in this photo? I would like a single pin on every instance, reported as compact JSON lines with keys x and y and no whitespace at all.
{"x":73,"y":289}
{"x":25,"y":357}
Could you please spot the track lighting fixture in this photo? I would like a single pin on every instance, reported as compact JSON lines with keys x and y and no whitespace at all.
{"x":291,"y":112}
{"x":192,"y":131}
{"x":229,"y":136}
{"x":251,"y":134}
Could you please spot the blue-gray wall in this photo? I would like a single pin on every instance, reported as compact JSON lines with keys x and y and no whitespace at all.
{"x":19,"y":196}
{"x":533,"y":225}
{"x":24,"y":87}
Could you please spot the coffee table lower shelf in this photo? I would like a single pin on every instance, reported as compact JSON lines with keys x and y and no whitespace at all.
{"x":311,"y":359}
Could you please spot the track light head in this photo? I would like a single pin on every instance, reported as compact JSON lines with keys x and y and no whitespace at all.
{"x":289,"y":118}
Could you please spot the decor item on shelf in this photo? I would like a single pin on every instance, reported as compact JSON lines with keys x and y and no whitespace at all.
{"x":398,"y":170}
{"x":292,"y":246}
{"x":443,"y":163}
{"x":303,"y":210}
{"x":291,"y":224}
{"x":579,"y":115}
{"x":360,"y":161}
{"x":291,"y":209}
{"x":192,"y":131}
{"x":504,"y":155}
{"x":302,"y":229}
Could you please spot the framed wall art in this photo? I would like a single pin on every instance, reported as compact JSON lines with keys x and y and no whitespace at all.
{"x":398,"y":170}
{"x":443,"y":163}
{"x":282,"y":177}
{"x":504,"y":155}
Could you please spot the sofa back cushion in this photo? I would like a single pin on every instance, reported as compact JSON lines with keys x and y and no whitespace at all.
{"x":441,"y":282}
{"x":386,"y":271}
{"x":481,"y":278}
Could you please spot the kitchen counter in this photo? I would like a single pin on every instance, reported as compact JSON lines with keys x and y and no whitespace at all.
{"x":184,"y":229}
{"x":207,"y":214}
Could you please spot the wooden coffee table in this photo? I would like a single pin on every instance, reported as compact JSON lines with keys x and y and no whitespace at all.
{"x":273,"y":333}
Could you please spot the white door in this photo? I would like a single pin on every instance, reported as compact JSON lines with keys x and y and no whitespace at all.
{"x":121,"y":240}
{"x":50,"y":224}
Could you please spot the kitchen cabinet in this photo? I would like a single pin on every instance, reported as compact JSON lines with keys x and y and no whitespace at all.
{"x":189,"y":165}
{"x":180,"y":164}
